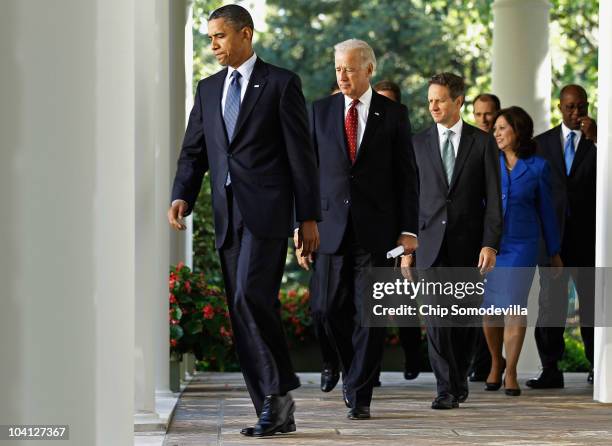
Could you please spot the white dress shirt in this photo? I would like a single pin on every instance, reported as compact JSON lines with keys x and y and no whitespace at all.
{"x":363,"y":108}
{"x":456,"y":138}
{"x":565,"y":130}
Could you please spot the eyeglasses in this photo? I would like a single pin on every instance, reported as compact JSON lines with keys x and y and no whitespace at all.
{"x":581,"y":107}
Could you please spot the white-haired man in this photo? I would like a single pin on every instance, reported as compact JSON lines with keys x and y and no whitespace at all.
{"x":369,"y":200}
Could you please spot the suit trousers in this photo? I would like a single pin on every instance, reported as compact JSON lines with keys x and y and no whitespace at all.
{"x":252,"y":271}
{"x":359,"y":348}
{"x":450,"y":348}
{"x":318,"y":303}
{"x":553,"y":301}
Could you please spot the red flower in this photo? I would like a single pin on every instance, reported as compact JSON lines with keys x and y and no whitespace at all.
{"x":208,"y":311}
{"x":171,"y":283}
{"x":188,"y":286}
{"x":174,"y":321}
{"x":291,"y":293}
{"x":224,"y":332}
{"x":172,"y":299}
{"x":173,"y":342}
{"x":180,"y":266}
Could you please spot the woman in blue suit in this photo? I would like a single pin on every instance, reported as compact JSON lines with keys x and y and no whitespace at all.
{"x":527,"y":207}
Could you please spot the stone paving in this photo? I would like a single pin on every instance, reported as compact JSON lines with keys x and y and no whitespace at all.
{"x":215,"y":406}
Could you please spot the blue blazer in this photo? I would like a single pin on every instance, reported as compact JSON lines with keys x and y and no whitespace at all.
{"x":528,"y":209}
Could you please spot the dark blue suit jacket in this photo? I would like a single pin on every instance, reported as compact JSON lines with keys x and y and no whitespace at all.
{"x":380,"y":190}
{"x":528,"y":209}
{"x":270,"y":159}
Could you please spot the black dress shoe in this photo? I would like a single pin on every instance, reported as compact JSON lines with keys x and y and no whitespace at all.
{"x":590,"y":377}
{"x":276,"y":416}
{"x":411,"y":371}
{"x":549,"y":379}
{"x":329,"y":379}
{"x":462,"y":396}
{"x":478,"y":376}
{"x":358,"y":413}
{"x":445,"y":402}
{"x":248,"y":431}
{"x":377,"y":383}
{"x":344,"y":397}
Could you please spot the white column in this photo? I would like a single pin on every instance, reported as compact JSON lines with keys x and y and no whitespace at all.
{"x":67,"y":233}
{"x":602,"y":389}
{"x":152,"y":183}
{"x":180,"y":53}
{"x":522,"y":76}
{"x":521,"y":57}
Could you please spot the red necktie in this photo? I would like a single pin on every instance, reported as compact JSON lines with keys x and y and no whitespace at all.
{"x":350,"y":128}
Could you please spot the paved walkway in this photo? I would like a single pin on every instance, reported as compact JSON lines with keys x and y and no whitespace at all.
{"x":215,"y":406}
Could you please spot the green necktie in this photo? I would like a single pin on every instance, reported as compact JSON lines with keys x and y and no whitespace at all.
{"x":448,"y":155}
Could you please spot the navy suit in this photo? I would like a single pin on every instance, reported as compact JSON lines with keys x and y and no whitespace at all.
{"x":574,"y":201}
{"x":528,"y":211}
{"x":273,"y":174}
{"x":366,"y":205}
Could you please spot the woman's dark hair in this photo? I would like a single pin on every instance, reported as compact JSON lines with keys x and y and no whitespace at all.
{"x":522,"y":124}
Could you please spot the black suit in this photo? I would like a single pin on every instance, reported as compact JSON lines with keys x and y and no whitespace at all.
{"x":455,"y":222}
{"x":366,"y":206}
{"x":574,"y":202}
{"x":272,"y":167}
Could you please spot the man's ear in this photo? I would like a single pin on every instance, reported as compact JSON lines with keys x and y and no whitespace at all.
{"x":247,"y":33}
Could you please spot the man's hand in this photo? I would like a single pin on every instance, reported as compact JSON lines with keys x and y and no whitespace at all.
{"x":308,"y":238}
{"x":486,"y":260}
{"x":304,"y":262}
{"x":406,"y":264}
{"x":175,"y":215}
{"x":409,"y":242}
{"x":588,"y":126}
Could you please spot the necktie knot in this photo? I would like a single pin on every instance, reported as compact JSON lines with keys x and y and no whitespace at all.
{"x":571,"y":135}
{"x":354,"y":102}
{"x":449,"y":133}
{"x":235,"y":75}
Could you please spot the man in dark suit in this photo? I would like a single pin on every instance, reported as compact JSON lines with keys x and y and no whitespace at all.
{"x":410,"y":336}
{"x":570,"y":149}
{"x":486,"y":106}
{"x":369,"y":199}
{"x":460,"y":219}
{"x":249,"y":128}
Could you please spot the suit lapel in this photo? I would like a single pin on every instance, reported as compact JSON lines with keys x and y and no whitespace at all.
{"x":214,"y":99}
{"x":433,"y":141}
{"x":375,"y":115}
{"x":581,"y":153}
{"x":465,"y":146}
{"x":519,"y":169}
{"x":255,"y":87}
{"x":556,"y":146}
{"x":337,"y":116}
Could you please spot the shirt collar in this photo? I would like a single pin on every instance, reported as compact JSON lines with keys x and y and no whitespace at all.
{"x":565,"y":129}
{"x":365,"y":99}
{"x":246,"y":69}
{"x":456,"y":128}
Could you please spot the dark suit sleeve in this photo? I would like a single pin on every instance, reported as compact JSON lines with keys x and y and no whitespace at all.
{"x":548,"y":220}
{"x":302,"y":161}
{"x":193,"y":161}
{"x":406,"y":176}
{"x":493,"y":219}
